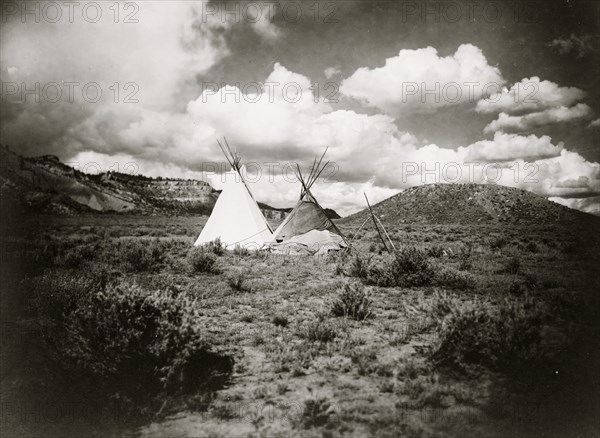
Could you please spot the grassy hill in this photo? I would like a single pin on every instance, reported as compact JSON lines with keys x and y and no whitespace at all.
{"x":467,"y":204}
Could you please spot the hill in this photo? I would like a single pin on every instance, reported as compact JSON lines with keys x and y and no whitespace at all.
{"x":46,"y":185}
{"x":466,"y":204}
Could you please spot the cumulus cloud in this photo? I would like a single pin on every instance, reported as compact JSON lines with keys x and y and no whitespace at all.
{"x":578,"y":45}
{"x":141,"y":73}
{"x":532,"y":103}
{"x":526,"y":122}
{"x":371,"y":150}
{"x":172,"y":131}
{"x":290,"y":124}
{"x":421,"y":80}
{"x":529,"y":95}
{"x":506,"y":147}
{"x":369,"y":153}
{"x":136,"y":69}
{"x":107,"y":52}
{"x":527,"y":162}
{"x":583,"y":182}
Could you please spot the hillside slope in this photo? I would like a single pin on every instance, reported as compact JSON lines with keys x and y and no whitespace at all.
{"x":45,"y":184}
{"x":466,"y":204}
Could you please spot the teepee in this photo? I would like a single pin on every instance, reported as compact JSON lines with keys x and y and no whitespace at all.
{"x":307,"y":224}
{"x":236,"y":219}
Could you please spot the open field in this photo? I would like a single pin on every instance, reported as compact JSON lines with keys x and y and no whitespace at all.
{"x":481,"y":330}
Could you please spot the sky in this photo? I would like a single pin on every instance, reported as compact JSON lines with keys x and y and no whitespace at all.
{"x":401,"y":93}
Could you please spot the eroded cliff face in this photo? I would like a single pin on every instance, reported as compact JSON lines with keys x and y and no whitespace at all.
{"x":45,"y":184}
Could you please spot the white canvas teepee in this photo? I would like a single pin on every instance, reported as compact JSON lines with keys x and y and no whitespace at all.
{"x":236,"y":219}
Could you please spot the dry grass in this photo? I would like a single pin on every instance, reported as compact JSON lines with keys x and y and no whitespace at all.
{"x":313,"y":358}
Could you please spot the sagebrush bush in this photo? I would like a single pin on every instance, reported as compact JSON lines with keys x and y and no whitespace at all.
{"x":466,"y":258}
{"x":237,"y":282}
{"x":365,"y":361}
{"x":320,"y":331}
{"x":517,"y":288}
{"x":132,"y":346}
{"x":497,"y":243}
{"x":381,"y":274}
{"x":141,"y":255}
{"x":75,"y":257}
{"x":435,"y":251}
{"x":241,"y":251}
{"x":54,"y":296}
{"x":201,"y":261}
{"x":216,"y":247}
{"x":353,"y":302}
{"x":452,"y":279}
{"x":317,"y":412}
{"x":513,"y":265}
{"x":410,"y":267}
{"x":465,"y":264}
{"x":248,"y":317}
{"x":509,"y":337}
{"x":280,"y":320}
{"x":532,"y":247}
{"x":359,"y":266}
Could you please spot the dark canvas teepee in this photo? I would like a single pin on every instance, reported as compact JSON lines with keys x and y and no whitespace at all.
{"x":307,"y":215}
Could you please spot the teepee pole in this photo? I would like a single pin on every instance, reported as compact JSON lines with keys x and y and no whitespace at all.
{"x":311,"y":182}
{"x":386,"y":234}
{"x":234,"y":162}
{"x":358,"y":231}
{"x":375,"y":223}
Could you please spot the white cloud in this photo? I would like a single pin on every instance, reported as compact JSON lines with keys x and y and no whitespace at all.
{"x":580,"y":45}
{"x":94,"y":162}
{"x":260,"y":19}
{"x":506,"y":147}
{"x":157,"y":70}
{"x":402,"y":84}
{"x":369,"y":152}
{"x":330,"y":72}
{"x":594,"y":124}
{"x":108,"y":52}
{"x":589,"y":205}
{"x":526,"y":122}
{"x":529,"y":95}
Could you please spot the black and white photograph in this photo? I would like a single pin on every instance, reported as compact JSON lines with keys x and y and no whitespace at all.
{"x":300,"y":218}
